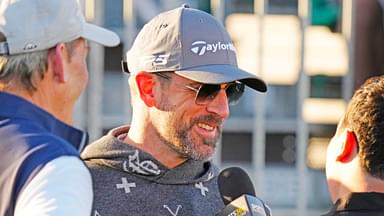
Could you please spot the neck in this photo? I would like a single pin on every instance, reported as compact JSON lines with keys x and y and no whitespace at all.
{"x":373,"y":184}
{"x":357,"y":180}
{"x":363,"y":181}
{"x":46,"y":101}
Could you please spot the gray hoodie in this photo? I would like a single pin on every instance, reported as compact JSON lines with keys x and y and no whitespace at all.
{"x":128,"y":181}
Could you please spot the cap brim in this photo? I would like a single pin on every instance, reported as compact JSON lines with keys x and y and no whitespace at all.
{"x":215,"y":74}
{"x":100,"y":35}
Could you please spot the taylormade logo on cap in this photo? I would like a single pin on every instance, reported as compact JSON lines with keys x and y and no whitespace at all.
{"x":200,"y":47}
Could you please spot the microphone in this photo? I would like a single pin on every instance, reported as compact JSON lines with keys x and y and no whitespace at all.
{"x":238,"y":194}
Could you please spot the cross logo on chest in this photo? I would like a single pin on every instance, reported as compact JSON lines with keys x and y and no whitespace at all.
{"x":125,"y":185}
{"x":202,"y":188}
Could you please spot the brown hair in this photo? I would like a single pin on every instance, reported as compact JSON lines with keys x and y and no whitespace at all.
{"x":365,"y":116}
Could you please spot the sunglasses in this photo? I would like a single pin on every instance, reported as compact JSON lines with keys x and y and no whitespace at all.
{"x":205,"y":93}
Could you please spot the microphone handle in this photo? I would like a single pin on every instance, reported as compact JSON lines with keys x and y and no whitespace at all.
{"x":246,"y":205}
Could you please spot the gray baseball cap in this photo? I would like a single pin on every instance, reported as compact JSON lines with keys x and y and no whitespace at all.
{"x":193,"y":44}
{"x":32,"y":25}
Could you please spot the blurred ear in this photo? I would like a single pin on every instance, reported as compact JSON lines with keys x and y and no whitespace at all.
{"x":56,"y":57}
{"x":145,"y":84}
{"x":348,"y":148}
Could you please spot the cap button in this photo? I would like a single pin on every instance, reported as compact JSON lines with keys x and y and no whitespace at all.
{"x":185,"y":6}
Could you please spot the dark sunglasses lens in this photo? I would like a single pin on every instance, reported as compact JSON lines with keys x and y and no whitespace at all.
{"x":234,"y":92}
{"x":207,"y":93}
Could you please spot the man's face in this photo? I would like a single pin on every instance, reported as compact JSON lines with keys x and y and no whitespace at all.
{"x":191,"y":130}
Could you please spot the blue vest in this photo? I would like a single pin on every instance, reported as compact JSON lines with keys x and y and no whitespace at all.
{"x":29,"y":138}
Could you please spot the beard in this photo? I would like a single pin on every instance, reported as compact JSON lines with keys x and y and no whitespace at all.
{"x":193,"y":146}
{"x":176,"y":132}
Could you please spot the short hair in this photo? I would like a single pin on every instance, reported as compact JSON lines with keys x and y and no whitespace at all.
{"x":365,"y":116}
{"x":28,"y":68}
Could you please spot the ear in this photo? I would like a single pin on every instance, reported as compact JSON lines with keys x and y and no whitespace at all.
{"x":348,"y":148}
{"x":57,"y":60}
{"x":145,"y":85}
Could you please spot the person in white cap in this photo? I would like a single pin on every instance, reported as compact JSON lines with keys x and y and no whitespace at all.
{"x":183,"y":77}
{"x":355,"y":155}
{"x":43,"y":50}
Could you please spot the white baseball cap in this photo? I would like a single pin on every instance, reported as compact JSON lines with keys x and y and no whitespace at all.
{"x":32,"y":25}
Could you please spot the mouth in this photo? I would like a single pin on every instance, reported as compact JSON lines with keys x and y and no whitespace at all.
{"x":206,"y":126}
{"x":207,"y":131}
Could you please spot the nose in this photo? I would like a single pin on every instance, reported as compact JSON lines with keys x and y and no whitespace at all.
{"x":219,"y":105}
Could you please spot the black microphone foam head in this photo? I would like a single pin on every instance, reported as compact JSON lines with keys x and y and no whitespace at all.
{"x":234,"y":182}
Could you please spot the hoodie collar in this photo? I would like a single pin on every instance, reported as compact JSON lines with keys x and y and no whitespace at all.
{"x":111,"y":151}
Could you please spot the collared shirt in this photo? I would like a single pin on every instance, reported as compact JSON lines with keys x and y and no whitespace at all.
{"x":38,"y":157}
{"x":359,"y":204}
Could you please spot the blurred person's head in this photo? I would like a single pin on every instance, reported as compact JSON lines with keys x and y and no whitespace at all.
{"x":355,"y":156}
{"x":43,"y":51}
{"x":183,"y":78}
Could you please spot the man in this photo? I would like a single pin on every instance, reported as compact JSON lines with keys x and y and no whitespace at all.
{"x":43,"y":71}
{"x":183,"y":76}
{"x":355,"y":156}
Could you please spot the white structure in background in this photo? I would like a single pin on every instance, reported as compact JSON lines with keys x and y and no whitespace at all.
{"x":291,"y":52}
{"x":281,"y":46}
